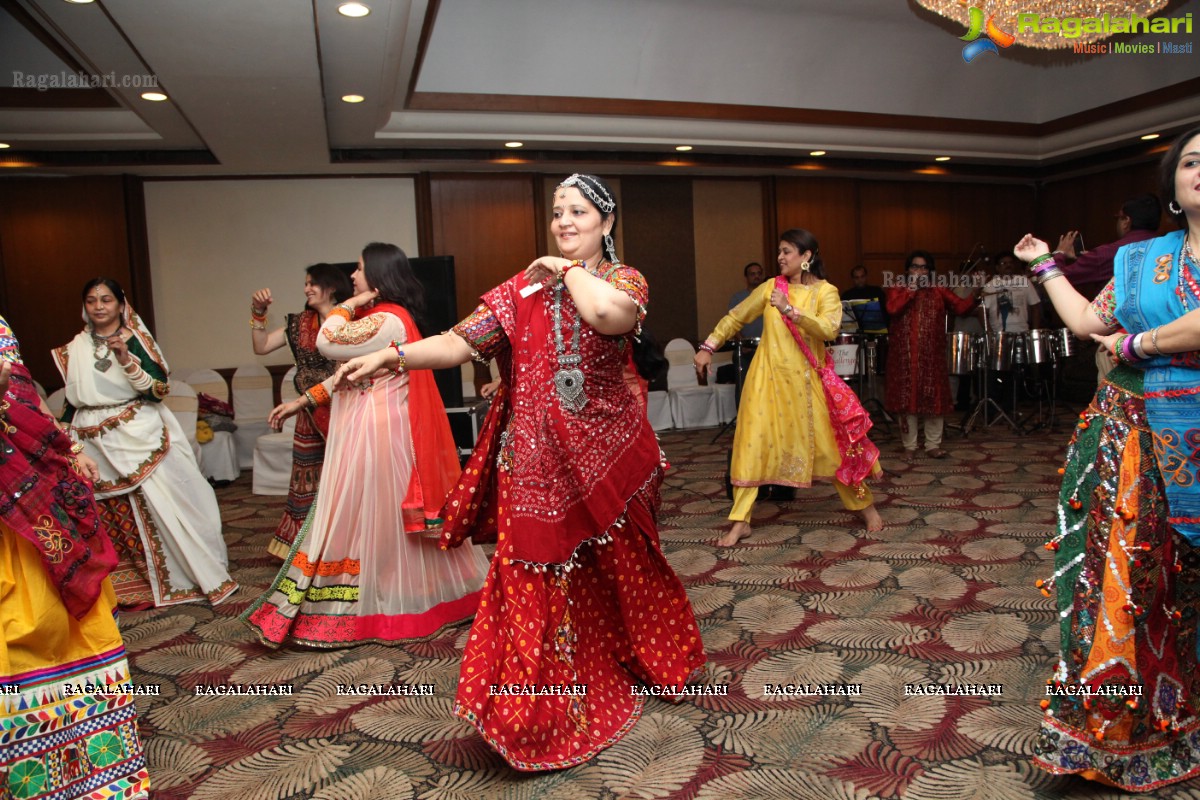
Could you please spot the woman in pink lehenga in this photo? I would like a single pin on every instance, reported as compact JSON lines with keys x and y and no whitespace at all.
{"x":362,"y":568}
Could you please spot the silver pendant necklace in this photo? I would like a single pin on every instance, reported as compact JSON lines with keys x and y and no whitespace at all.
{"x":568,"y":381}
{"x":101,"y":351}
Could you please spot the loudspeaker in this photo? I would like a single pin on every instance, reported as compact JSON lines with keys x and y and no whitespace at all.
{"x":436,"y":274}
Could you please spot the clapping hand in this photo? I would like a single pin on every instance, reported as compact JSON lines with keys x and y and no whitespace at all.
{"x":1030,"y":247}
{"x":260,"y":300}
{"x":546,"y":267}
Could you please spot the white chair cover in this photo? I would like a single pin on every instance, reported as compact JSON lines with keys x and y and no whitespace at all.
{"x":252,"y":402}
{"x":183,"y":404}
{"x":273,"y":451}
{"x":56,"y":401}
{"x":692,"y":405}
{"x":210,"y":382}
{"x":218,"y":458}
{"x":726,"y":400}
{"x":658,"y":409}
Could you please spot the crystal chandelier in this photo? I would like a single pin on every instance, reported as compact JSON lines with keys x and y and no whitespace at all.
{"x":1081,"y":21}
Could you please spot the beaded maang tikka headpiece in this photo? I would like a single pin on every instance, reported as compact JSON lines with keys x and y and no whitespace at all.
{"x":593,"y":189}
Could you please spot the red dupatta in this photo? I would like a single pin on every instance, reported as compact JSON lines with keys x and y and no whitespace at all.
{"x":46,"y":502}
{"x":437,"y":469}
{"x":850,"y":421}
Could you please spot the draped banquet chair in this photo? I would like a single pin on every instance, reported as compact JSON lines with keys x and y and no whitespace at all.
{"x":692,"y":405}
{"x":218,"y":458}
{"x":253,"y":400}
{"x":185,"y":406}
{"x":273,"y":451}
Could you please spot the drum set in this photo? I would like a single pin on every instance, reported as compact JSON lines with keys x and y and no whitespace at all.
{"x":1037,"y":354}
{"x":857,"y":358}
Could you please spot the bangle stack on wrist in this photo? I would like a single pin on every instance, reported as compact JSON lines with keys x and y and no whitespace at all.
{"x":562,"y":273}
{"x":706,"y":347}
{"x":1044,"y":268}
{"x":402,"y":363}
{"x":258,"y":318}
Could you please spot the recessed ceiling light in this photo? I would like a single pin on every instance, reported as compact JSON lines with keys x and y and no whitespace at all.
{"x":817,"y":153}
{"x":942,"y":158}
{"x":154,"y":97}
{"x":353,"y":10}
{"x":514,"y":145}
{"x":4,"y":146}
{"x":352,"y":98}
{"x":1149,"y":136}
{"x":683,"y":148}
{"x":80,"y":2}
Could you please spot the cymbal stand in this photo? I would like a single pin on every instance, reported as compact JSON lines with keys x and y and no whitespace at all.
{"x":865,"y":378}
{"x":986,"y":401}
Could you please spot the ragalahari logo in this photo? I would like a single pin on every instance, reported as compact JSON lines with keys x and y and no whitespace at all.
{"x":993,"y":36}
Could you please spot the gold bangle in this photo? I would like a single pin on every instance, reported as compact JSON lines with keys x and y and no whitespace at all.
{"x":1154,"y":341}
{"x":258,"y":324}
{"x":77,"y":448}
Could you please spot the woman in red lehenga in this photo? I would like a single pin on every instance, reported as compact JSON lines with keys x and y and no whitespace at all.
{"x":580,"y":605}
{"x":918,"y":384}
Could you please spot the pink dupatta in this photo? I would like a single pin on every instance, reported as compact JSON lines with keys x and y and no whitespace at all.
{"x":849,"y":419}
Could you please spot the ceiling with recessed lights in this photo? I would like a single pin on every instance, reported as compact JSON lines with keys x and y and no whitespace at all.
{"x":294,"y":87}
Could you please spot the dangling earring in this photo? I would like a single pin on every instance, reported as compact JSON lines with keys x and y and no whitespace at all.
{"x":1174,"y":208}
{"x":610,"y":249}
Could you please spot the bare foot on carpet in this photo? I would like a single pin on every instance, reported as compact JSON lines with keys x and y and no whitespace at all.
{"x":871,"y":516}
{"x":739,"y":531}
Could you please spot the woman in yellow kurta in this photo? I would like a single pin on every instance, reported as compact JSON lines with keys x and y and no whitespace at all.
{"x":784,"y":434}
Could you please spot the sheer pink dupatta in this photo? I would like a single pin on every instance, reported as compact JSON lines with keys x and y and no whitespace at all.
{"x":849,"y":419}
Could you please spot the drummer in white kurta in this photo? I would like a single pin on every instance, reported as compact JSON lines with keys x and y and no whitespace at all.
{"x":161,"y":513}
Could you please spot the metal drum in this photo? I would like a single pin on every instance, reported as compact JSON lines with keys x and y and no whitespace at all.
{"x":1001,"y":349}
{"x":960,"y":353}
{"x":1040,"y":344}
{"x":845,"y":354}
{"x":1065,"y":343}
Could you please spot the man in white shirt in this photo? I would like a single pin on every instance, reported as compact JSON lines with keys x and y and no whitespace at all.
{"x":1009,"y":299}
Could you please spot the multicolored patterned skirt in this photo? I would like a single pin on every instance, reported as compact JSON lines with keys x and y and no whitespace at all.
{"x":68,"y":727}
{"x":552,"y":667}
{"x":308,"y":453}
{"x":1120,"y":707}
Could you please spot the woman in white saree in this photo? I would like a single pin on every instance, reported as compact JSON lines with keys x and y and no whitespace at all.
{"x":160,"y":511}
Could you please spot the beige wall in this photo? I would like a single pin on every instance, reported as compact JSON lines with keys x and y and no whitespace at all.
{"x":212,"y":243}
{"x":728,"y":229}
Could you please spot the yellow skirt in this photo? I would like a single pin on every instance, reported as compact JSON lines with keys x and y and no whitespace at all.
{"x":68,"y":727}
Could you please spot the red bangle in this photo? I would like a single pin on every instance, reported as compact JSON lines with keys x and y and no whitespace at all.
{"x":562,"y":274}
{"x":708,"y":348}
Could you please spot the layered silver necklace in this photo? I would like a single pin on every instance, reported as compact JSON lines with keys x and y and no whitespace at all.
{"x":568,"y":381}
{"x":101,"y":351}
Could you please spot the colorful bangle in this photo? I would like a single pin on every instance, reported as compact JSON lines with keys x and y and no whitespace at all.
{"x":341,"y":311}
{"x":259,"y":315}
{"x":258,"y":324}
{"x":318,"y":396}
{"x":562,"y":274}
{"x":1042,"y":259}
{"x":1135,"y":345}
{"x":401,"y":363}
{"x":1048,"y":274}
{"x":708,"y":348}
{"x":77,"y":448}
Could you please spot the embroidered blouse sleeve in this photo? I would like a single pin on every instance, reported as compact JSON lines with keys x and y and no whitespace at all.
{"x":482,"y":331}
{"x":632,"y":283}
{"x":340,"y":340}
{"x":1105,"y":305}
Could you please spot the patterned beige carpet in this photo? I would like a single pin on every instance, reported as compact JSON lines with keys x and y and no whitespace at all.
{"x":943,"y":595}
